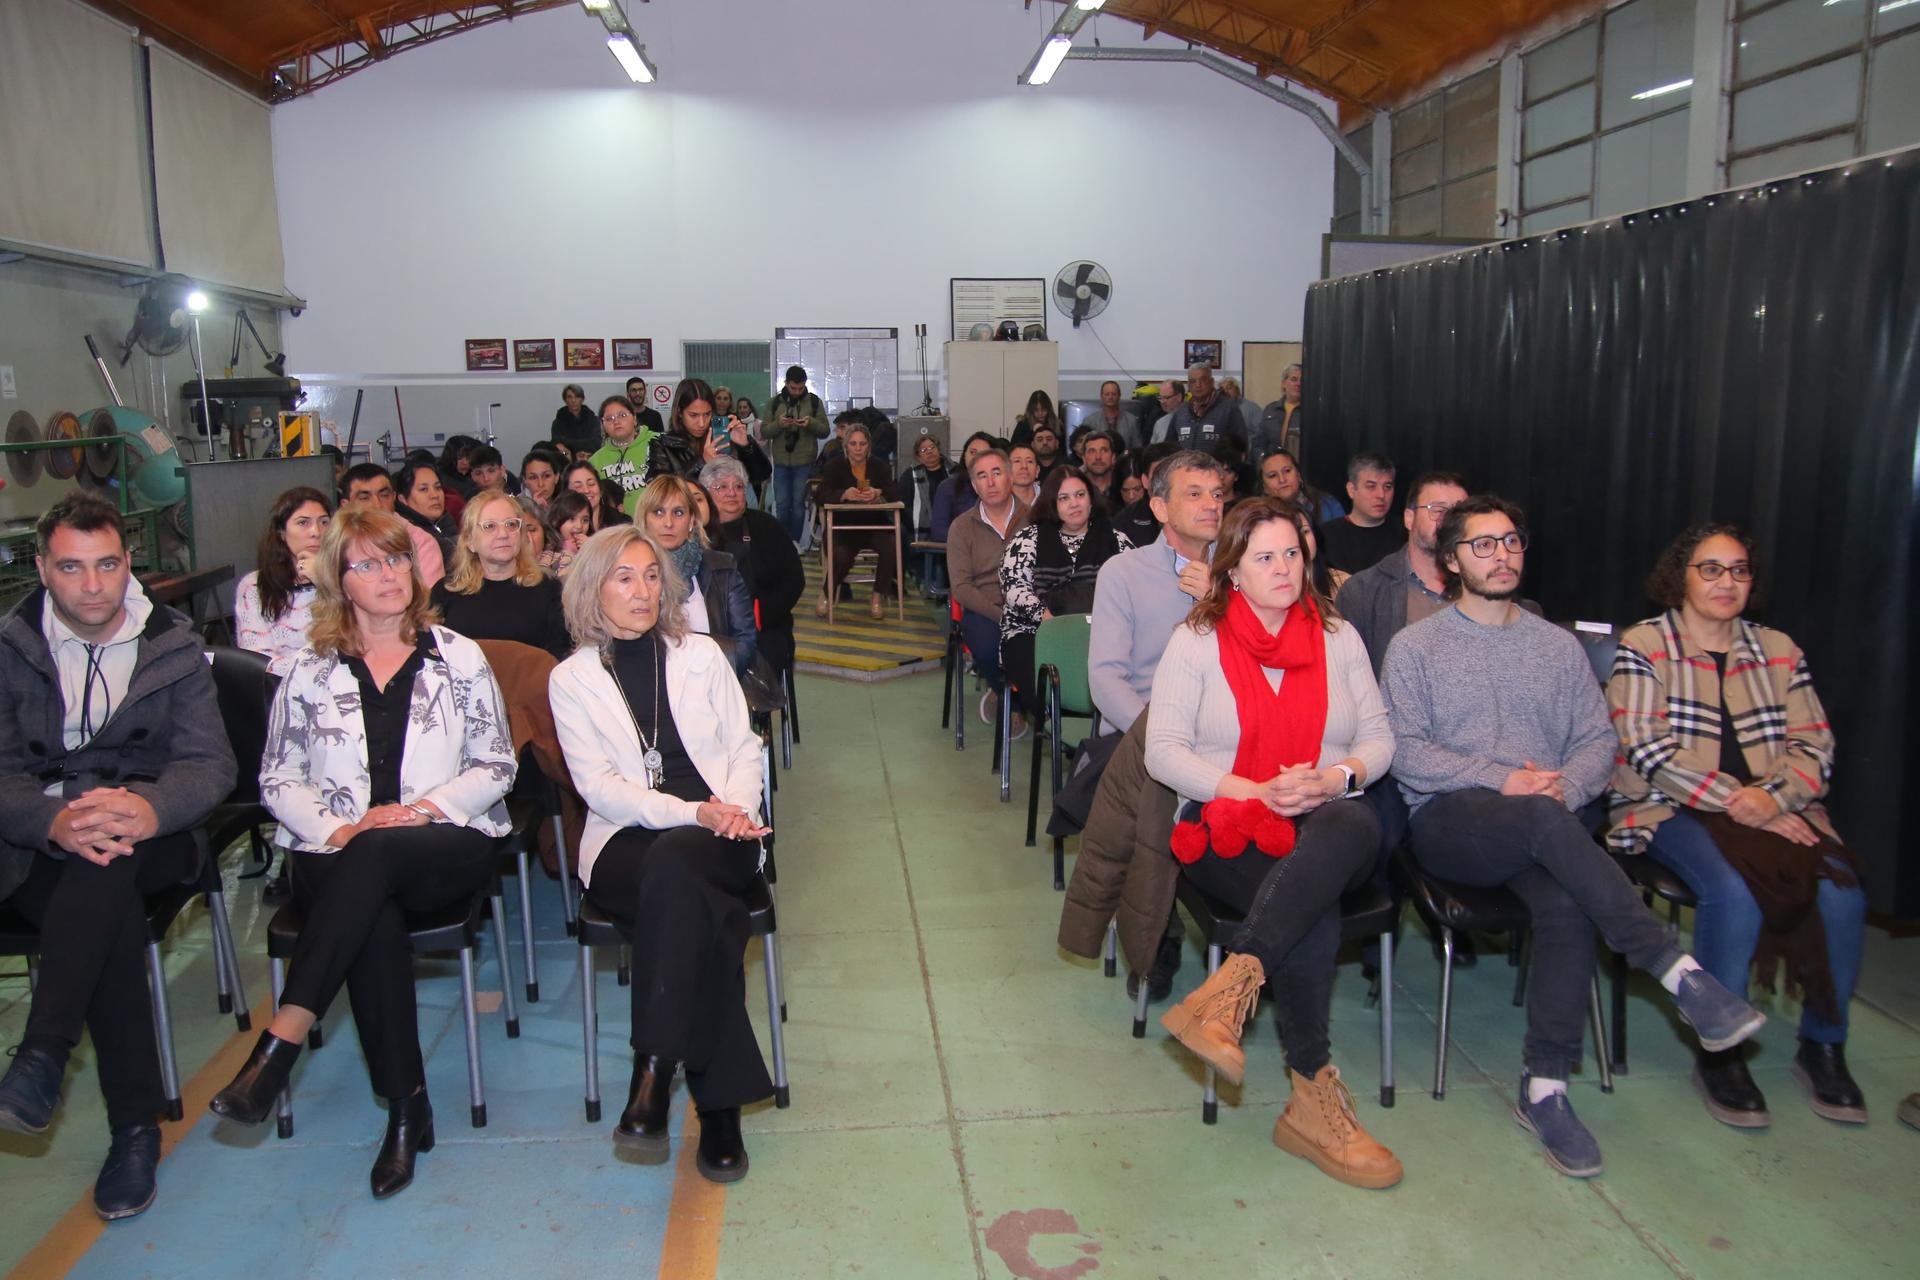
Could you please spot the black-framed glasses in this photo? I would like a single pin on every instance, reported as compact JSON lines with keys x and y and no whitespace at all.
{"x":1483,"y":546}
{"x":1710,"y":570}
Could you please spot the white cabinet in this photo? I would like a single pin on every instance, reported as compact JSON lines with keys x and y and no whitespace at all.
{"x":988,"y":382}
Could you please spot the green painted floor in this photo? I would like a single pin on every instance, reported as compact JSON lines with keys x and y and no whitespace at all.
{"x":967,"y":1101}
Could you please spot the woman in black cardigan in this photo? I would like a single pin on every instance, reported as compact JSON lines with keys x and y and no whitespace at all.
{"x":1049,"y":567}
{"x":495,"y":588}
{"x":853,"y":474}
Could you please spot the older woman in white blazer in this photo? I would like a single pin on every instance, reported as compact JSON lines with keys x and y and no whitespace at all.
{"x":387,"y":765}
{"x":655,"y":732}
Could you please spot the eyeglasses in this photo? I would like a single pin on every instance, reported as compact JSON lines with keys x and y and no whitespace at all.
{"x":511,"y":526}
{"x":1710,"y":570}
{"x":1483,"y":546}
{"x":1438,"y":510}
{"x":371,"y":568}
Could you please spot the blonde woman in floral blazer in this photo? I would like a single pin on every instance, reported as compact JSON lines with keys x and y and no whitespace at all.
{"x":1725,"y":752}
{"x":387,"y":765}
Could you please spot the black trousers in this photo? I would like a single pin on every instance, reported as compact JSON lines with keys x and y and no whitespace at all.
{"x":1534,"y":846}
{"x":1017,"y":664}
{"x":93,"y":939}
{"x":1292,"y":916}
{"x":678,"y":896}
{"x":356,"y":902}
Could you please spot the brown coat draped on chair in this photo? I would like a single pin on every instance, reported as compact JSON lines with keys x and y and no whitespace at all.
{"x":522,"y":671}
{"x":1126,"y":867}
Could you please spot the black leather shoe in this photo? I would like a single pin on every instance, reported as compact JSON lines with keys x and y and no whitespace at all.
{"x":409,"y":1132}
{"x":1166,"y":963}
{"x":1821,"y":1069}
{"x":279,"y":889}
{"x":250,"y":1097}
{"x":1728,"y":1089}
{"x":126,"y":1183}
{"x":722,"y":1156}
{"x":642,"y":1131}
{"x":30,"y":1091}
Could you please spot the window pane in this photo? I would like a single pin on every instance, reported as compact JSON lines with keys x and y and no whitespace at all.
{"x":1416,"y":170}
{"x":1810,"y":101}
{"x":1797,"y":32}
{"x":1557,"y":177}
{"x":1553,"y":219}
{"x":1552,"y":67}
{"x":1559,"y":119}
{"x":1802,"y":155}
{"x":1417,"y":124}
{"x":1648,"y":51}
{"x":1894,"y":15}
{"x":1417,"y":215}
{"x":1466,"y":207}
{"x":1893,"y":97}
{"x":1472,"y":135}
{"x":1642,"y":166}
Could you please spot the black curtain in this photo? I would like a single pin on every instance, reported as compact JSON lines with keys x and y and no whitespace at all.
{"x":1751,"y":356}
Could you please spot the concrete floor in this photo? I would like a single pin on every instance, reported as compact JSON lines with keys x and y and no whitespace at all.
{"x":967,"y":1102}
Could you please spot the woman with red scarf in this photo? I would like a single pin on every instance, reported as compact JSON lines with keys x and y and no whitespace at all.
{"x":1266,"y":721}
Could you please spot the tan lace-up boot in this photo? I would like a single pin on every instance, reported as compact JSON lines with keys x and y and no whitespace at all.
{"x":1319,"y":1125}
{"x":1209,"y":1021}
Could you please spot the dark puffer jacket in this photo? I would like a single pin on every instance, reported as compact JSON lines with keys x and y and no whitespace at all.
{"x":1126,"y":867}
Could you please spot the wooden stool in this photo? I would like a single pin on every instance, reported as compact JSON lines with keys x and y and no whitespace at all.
{"x":892,"y":509}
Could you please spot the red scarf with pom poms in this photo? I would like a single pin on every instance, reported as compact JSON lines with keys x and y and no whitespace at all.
{"x":1278,"y":727}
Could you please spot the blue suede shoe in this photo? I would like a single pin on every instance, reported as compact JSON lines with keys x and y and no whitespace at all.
{"x":1569,"y":1147}
{"x":126,"y":1183}
{"x":30,"y":1091}
{"x":1720,"y":1018}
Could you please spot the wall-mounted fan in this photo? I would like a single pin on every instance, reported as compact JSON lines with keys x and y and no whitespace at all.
{"x":1081,"y":291}
{"x":159,"y":319}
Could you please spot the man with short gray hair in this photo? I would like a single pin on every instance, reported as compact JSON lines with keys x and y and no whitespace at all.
{"x":1206,"y":421}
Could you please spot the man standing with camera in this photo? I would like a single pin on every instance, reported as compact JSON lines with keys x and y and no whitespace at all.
{"x":796,"y":424}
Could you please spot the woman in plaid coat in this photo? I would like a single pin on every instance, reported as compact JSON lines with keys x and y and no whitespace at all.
{"x":1725,"y":752}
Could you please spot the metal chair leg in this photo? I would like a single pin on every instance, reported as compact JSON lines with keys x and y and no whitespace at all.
{"x":507,"y":1005}
{"x":776,"y":1014}
{"x":590,"y":1033}
{"x":1386,"y":1018}
{"x":1209,"y":1096}
{"x":1111,"y":962}
{"x":524,"y":866}
{"x":1140,"y":1011}
{"x":1602,"y":1054}
{"x":567,"y":905}
{"x":163,"y":1032}
{"x":1619,"y":1013}
{"x":223,"y":939}
{"x":1446,"y":1014}
{"x":793,"y":704}
{"x":476,"y":1087}
{"x":1033,"y":791}
{"x":283,"y":1119}
{"x":1523,"y":945}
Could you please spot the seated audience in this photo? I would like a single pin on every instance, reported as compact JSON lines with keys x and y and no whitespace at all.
{"x":1049,"y":567}
{"x":569,"y":525}
{"x":1156,"y":417}
{"x":370,"y":488}
{"x":624,"y":459}
{"x":1039,"y":414}
{"x":273,"y":605}
{"x":455,"y":467}
{"x":718,"y":602}
{"x":1206,"y":421}
{"x":1725,"y":752}
{"x":1111,"y":419}
{"x":1281,"y":425}
{"x":975,"y":545}
{"x":496,"y":589}
{"x":644,"y":413}
{"x":928,"y":473}
{"x":1266,"y":722}
{"x":1099,"y":455}
{"x":853,"y":475}
{"x":383,"y":811}
{"x":132,"y":777}
{"x":1130,"y":482}
{"x":1046,"y":449}
{"x":1280,"y":478}
{"x":1025,"y":469}
{"x":488,"y":470}
{"x":602,"y":495}
{"x":658,"y":742}
{"x":696,"y":435}
{"x":533,"y":525}
{"x":956,"y":496}
{"x":1502,"y":738}
{"x":574,"y":425}
{"x":1365,"y":536}
{"x":1137,"y":519}
{"x":421,"y":501}
{"x":1408,"y":584}
{"x":766,"y":556}
{"x":540,"y":477}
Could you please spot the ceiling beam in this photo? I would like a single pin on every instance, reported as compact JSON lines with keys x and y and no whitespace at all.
{"x":1321,"y":32}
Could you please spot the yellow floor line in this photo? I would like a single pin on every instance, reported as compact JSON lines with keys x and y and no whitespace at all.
{"x":69,"y":1239}
{"x":691,"y":1250}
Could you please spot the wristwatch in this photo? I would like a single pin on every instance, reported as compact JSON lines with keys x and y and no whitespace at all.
{"x":1353,"y":786}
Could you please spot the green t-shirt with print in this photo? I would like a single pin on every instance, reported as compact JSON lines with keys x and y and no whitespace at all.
{"x":626,"y":466}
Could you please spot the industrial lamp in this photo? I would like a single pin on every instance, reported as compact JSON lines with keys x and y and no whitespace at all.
{"x":628,"y":52}
{"x":1053,"y":50}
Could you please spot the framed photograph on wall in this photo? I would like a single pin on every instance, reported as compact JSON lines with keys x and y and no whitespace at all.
{"x":486,"y":353}
{"x":633,"y":353}
{"x":1203,"y":351}
{"x":584,"y":353}
{"x":533,"y":354}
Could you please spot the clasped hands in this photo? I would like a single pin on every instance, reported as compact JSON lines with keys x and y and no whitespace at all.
{"x":1293,"y":791}
{"x":1531,"y":780}
{"x":1752,"y":807}
{"x":385,"y":815}
{"x":103,"y":824}
{"x":729,"y":821}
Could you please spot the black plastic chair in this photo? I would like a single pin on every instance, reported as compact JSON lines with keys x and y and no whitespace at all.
{"x":244,"y":689}
{"x":1365,"y":913}
{"x":1655,"y":881}
{"x":1446,"y":907}
{"x":456,"y":928}
{"x":597,"y":930}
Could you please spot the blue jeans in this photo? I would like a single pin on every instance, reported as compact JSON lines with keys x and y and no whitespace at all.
{"x":981,"y":635}
{"x":790,"y":498}
{"x":1726,"y":926}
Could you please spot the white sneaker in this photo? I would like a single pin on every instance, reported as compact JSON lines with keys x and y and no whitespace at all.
{"x":989,"y":707}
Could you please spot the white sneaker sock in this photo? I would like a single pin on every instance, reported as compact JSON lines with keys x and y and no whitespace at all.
{"x":1681,"y":968}
{"x":1539,"y":1089}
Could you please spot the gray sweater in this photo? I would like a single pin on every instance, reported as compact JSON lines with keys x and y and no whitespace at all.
{"x":1137,"y":602}
{"x":1470,"y":704}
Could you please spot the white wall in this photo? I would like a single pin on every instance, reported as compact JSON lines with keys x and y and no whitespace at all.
{"x":829,"y":164}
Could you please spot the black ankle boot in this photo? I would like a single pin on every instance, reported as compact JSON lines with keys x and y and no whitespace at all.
{"x":1728,"y":1089}
{"x":250,"y":1097}
{"x":642,"y":1131}
{"x":722,"y":1156}
{"x":409,"y":1132}
{"x":1822,"y":1071}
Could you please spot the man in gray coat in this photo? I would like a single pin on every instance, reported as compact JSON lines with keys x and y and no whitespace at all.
{"x":111,"y":752}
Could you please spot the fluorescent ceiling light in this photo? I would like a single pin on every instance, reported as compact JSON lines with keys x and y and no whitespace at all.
{"x":631,"y":58}
{"x":594,"y":6}
{"x":1091,"y":5}
{"x":1675,"y":87}
{"x":1052,"y":54}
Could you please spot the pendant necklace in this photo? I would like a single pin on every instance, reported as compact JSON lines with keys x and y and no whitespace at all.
{"x":649,"y":747}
